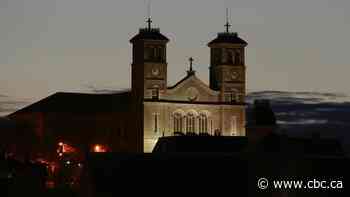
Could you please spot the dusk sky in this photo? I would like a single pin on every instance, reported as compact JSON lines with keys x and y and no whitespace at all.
{"x":73,"y":45}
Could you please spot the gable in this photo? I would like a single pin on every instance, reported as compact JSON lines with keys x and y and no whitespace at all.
{"x":191,"y":88}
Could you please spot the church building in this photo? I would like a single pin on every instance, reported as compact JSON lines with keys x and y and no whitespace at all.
{"x":189,"y":106}
{"x":132,"y":121}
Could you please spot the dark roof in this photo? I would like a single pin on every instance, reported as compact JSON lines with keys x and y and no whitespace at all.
{"x":149,"y":34}
{"x":178,"y":83}
{"x":6,"y":123}
{"x":201,"y":144}
{"x":79,"y":102}
{"x":231,"y":38}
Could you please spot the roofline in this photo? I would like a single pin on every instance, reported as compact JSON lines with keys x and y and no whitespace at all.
{"x":194,"y":102}
{"x":152,"y":30}
{"x":213,"y":44}
{"x":24,"y":108}
{"x":179,"y":82}
{"x":57,"y":93}
{"x":149,"y":40}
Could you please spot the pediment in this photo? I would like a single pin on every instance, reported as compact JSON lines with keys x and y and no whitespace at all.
{"x":191,"y":88}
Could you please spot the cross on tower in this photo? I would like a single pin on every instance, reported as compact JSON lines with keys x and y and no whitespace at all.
{"x":191,"y":71}
{"x":227,"y":27}
{"x":191,"y":63}
{"x":149,"y":21}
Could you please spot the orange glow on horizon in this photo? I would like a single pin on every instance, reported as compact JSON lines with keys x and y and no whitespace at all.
{"x":99,"y":149}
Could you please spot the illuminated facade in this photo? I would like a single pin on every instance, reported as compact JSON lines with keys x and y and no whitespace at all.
{"x":190,"y":106}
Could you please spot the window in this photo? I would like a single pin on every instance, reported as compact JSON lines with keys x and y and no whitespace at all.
{"x":224,"y":55}
{"x":234,"y":126}
{"x":227,"y":97}
{"x":203,"y":123}
{"x":146,"y":54}
{"x":154,"y":53}
{"x":177,"y":122}
{"x":134,"y":54}
{"x":217,"y":132}
{"x":238,"y":58}
{"x":160,"y":54}
{"x":155,"y":93}
{"x":216,"y":54}
{"x":231,"y":56}
{"x":155,"y":122}
{"x":163,"y":54}
{"x":190,"y":123}
{"x":234,"y":96}
{"x":230,"y":97}
{"x":239,"y":98}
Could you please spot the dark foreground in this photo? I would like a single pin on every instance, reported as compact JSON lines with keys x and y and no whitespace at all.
{"x":218,"y":174}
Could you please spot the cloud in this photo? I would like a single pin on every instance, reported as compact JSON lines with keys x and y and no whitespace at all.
{"x":301,"y":113}
{"x":307,"y":107}
{"x":303,"y":122}
{"x":280,"y":97}
{"x":9,"y":105}
{"x":104,"y":90}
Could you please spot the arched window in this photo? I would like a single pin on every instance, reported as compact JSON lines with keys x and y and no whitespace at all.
{"x":160,"y":54}
{"x":203,"y":123}
{"x":147,"y":53}
{"x":177,"y":122}
{"x":231,"y":56}
{"x":216,"y":55}
{"x":155,"y":53}
{"x":224,"y":55}
{"x":234,"y":126}
{"x":238,"y":59}
{"x":190,"y":123}
{"x":156,"y":122}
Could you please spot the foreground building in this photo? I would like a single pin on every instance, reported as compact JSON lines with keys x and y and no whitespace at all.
{"x":132,"y":121}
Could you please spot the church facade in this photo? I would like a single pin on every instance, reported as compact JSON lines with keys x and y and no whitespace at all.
{"x":190,"y":106}
{"x":132,"y":121}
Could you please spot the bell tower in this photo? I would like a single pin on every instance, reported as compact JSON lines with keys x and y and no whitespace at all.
{"x":227,"y":66}
{"x":148,"y":75}
{"x":149,"y":64}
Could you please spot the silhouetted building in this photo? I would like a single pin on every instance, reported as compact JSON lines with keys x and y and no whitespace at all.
{"x":263,"y":114}
{"x":261,"y":120}
{"x":271,"y":143}
{"x":218,"y":164}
